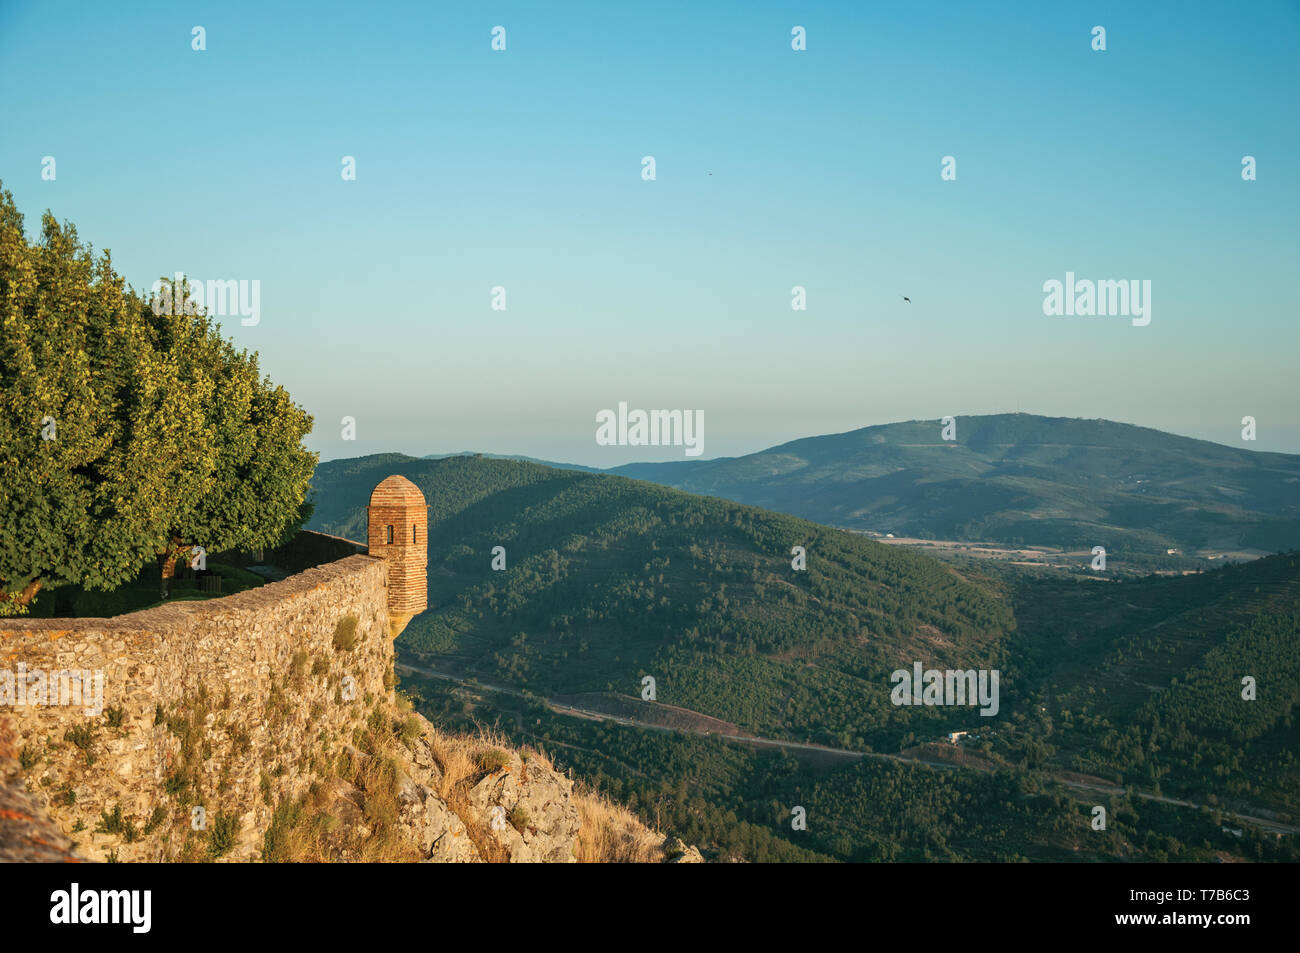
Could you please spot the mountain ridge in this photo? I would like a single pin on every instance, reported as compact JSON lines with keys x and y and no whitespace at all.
{"x":1017,"y":478}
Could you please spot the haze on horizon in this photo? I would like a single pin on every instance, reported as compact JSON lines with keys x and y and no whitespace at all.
{"x":673,"y":454}
{"x":775,"y":168}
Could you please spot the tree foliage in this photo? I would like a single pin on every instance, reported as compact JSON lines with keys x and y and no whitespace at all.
{"x":124,"y":432}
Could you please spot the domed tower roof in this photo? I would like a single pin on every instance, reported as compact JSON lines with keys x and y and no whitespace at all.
{"x":396,"y":490}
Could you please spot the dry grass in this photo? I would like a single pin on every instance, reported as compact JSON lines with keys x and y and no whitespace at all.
{"x":611,"y":834}
{"x":462,"y":760}
{"x":301,"y":831}
{"x":315,"y":827}
{"x":322,"y":824}
{"x":309,"y":830}
{"x":536,"y":756}
{"x":456,"y":757}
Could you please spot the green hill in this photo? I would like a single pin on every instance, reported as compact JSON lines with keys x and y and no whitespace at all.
{"x":1018,"y":478}
{"x":1141,"y":680}
{"x":1122,"y":681}
{"x":1134,"y":683}
{"x":609,"y":580}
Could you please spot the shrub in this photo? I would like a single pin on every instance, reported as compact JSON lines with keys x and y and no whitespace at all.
{"x":518,"y":818}
{"x":83,"y":736}
{"x":491,"y":759}
{"x":110,"y":822}
{"x":408,"y":729}
{"x":155,"y":819}
{"x":240,"y":739}
{"x":298,"y":667}
{"x":375,"y":735}
{"x":379,"y":782}
{"x":283,"y":841}
{"x":345,"y":634}
{"x":177,"y":786}
{"x":115,"y":716}
{"x":223,"y":834}
{"x":381,"y":810}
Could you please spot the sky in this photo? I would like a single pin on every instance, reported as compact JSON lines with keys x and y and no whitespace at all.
{"x":775,"y":168}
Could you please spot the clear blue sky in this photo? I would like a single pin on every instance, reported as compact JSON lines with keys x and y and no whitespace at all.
{"x":477,"y":168}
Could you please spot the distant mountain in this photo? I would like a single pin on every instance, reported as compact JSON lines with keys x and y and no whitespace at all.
{"x":1018,"y":478}
{"x":513,"y":456}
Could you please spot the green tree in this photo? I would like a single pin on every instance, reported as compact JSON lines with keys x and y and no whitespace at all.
{"x":252,"y":465}
{"x":125,"y":433}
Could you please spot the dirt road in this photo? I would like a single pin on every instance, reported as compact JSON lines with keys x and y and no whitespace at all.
{"x":570,"y":710}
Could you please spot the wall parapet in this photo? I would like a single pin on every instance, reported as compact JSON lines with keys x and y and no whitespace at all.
{"x":309,"y":548}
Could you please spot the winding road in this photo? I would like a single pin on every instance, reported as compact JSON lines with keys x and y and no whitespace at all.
{"x":569,"y":710}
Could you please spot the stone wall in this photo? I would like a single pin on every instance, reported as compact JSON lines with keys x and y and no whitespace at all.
{"x":222,"y":704}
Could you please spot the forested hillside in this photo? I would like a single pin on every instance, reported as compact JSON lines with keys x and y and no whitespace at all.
{"x":609,"y":580}
{"x":737,"y":801}
{"x":1104,"y":682}
{"x":1142,"y":679}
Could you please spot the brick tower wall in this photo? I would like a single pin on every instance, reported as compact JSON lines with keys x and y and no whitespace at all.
{"x":408,"y":558}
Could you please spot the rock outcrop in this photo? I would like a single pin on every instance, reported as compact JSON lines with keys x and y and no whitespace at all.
{"x":410,"y":792}
{"x":530,"y":810}
{"x":679,"y":852}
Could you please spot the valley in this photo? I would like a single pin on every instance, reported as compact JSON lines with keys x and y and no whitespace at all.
{"x":773,"y":682}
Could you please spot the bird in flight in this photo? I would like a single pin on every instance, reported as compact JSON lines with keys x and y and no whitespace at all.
{"x":907,"y":299}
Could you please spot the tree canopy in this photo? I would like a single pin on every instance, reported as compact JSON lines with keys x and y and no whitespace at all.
{"x":125,"y":432}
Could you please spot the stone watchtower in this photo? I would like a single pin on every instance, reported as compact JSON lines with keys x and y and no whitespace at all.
{"x":398,"y":528}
